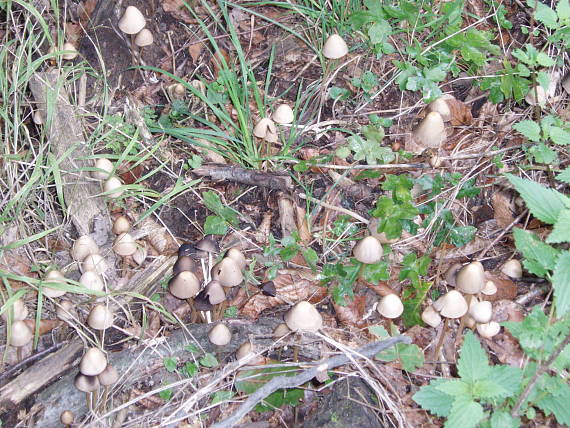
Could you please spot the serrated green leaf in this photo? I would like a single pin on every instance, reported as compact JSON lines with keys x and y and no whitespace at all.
{"x":455,"y":388}
{"x":379,"y":31}
{"x":508,"y":378}
{"x":214,"y":203}
{"x":545,"y":204}
{"x":376,"y":272}
{"x":411,"y":356}
{"x":556,"y":402}
{"x":544,"y":60}
{"x":431,"y":398}
{"x":221,"y":396}
{"x":465,"y":413}
{"x":529,"y":129}
{"x":503,"y":419}
{"x":473,"y":363}
{"x":561,"y":230}
{"x":559,"y":135}
{"x":564,"y":176}
{"x":539,"y":257}
{"x":215,"y":225}
{"x":561,"y":284}
{"x":563,"y":10}
{"x":546,"y":16}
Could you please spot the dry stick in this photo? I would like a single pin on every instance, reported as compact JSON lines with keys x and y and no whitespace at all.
{"x":335,"y":208}
{"x":539,"y":372}
{"x":281,"y":382}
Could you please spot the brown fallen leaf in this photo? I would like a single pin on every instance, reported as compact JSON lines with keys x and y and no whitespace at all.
{"x":195,"y":50}
{"x":503,"y":208}
{"x":353,"y":313}
{"x":45,"y":325}
{"x":178,"y":11}
{"x":507,"y":310}
{"x":460,"y":112}
{"x":506,"y":288}
{"x":506,"y":348}
{"x":302,"y":225}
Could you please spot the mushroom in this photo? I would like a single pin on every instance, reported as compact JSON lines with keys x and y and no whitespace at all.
{"x":132,"y":21}
{"x":84,"y":246}
{"x":471,"y":278}
{"x":38,"y":118}
{"x":92,"y":281}
{"x":141,"y":253}
{"x":489,"y":289}
{"x":186,"y":250}
{"x":176,"y":91}
{"x":184,"y":285}
{"x":207,"y":245}
{"x":335,"y":47}
{"x":266,"y":130}
{"x":451,"y":305}
{"x":283,"y":114}
{"x":107,"y":378}
{"x":183,"y":263}
{"x":237,"y":256}
{"x":100,"y":317}
{"x":268,"y":289}
{"x":104,"y":169}
{"x":227,"y":272}
{"x":246,"y":354}
{"x":512,"y":268}
{"x":431,"y":130}
{"x":451,"y":273}
{"x":17,"y":310}
{"x":281,"y":330}
{"x":220,"y":335}
{"x":94,"y":262}
{"x":303,"y":317}
{"x":390,"y":306}
{"x":93,"y":362}
{"x":125,"y":245}
{"x":481,"y":311}
{"x":54,"y":277}
{"x":112,"y":187}
{"x":431,"y":317}
{"x":20,"y":335}
{"x":488,"y":330}
{"x":536,"y":96}
{"x":368,"y":250}
{"x":121,"y":225}
{"x":65,"y":311}
{"x":215,"y":292}
{"x":72,"y":54}
{"x":144,"y":38}
{"x":66,"y":418}
{"x":441,"y":106}
{"x":89,"y":385}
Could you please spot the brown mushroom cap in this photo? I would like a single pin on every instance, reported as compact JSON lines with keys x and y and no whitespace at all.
{"x":451,"y":273}
{"x":431,"y":317}
{"x":471,"y":278}
{"x":104,"y":169}
{"x":121,"y":225}
{"x":452,"y":304}
{"x":390,"y":306}
{"x":108,"y":376}
{"x":481,"y":311}
{"x":18,"y":310}
{"x":512,"y":268}
{"x":86,"y":383}
{"x":220,"y":335}
{"x":368,"y":250}
{"x":67,"y":417}
{"x":208,"y":244}
{"x":83,"y":247}
{"x":184,"y":285}
{"x":431,"y":130}
{"x":489,"y":289}
{"x":237,"y":256}
{"x":488,"y":330}
{"x":227,"y":272}
{"x":335,"y":47}
{"x":92,"y":281}
{"x":72,"y":54}
{"x":54,"y":277}
{"x":125,"y":245}
{"x":132,"y":21}
{"x":215,"y":292}
{"x":94,"y":262}
{"x":100,"y":317}
{"x":441,"y":106}
{"x":266,"y":130}
{"x":144,"y":38}
{"x":183,"y":263}
{"x":112,"y":187}
{"x":140,"y":255}
{"x":93,"y":362}
{"x":303,"y":317}
{"x":20,"y":334}
{"x":246,"y":353}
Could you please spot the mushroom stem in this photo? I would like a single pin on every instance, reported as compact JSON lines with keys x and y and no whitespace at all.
{"x":134,"y":57}
{"x":440,"y":341}
{"x":104,"y":398}
{"x":462,"y":321}
{"x":18,"y":353}
{"x":296,"y":340}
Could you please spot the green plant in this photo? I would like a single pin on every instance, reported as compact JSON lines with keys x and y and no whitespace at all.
{"x":225,"y":216}
{"x":548,"y":129}
{"x":278,"y":252}
{"x":413,"y":268}
{"x":410,"y":356}
{"x":367,"y":147}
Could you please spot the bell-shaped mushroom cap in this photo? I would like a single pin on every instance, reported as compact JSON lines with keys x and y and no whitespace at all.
{"x":100,"y":317}
{"x":246,"y":353}
{"x":566,"y":83}
{"x":186,"y":250}
{"x":451,"y":273}
{"x":303,"y":317}
{"x":93,"y":362}
{"x":121,"y":225}
{"x":471,"y":278}
{"x":86,"y":383}
{"x":104,"y":169}
{"x":140,"y":255}
{"x":66,"y":311}
{"x":18,"y":310}
{"x":431,"y":317}
{"x":144,"y":38}
{"x":237,"y":256}
{"x":132,"y":21}
{"x":368,"y":250}
{"x":489,"y":330}
{"x":94,"y":262}
{"x":92,"y":281}
{"x":84,"y":246}
{"x":431,"y":131}
{"x":220,"y":335}
{"x":283,"y":114}
{"x":335,"y":47}
{"x":390,"y":306}
{"x":263,"y":127}
{"x":536,"y":96}
{"x":67,"y":417}
{"x":481,"y":311}
{"x":125,"y":245}
{"x":72,"y":54}
{"x":512,"y":268}
{"x":184,"y":285}
{"x":20,"y":334}
{"x":489,"y":289}
{"x":183,"y":263}
{"x":38,"y":118}
{"x":381,"y":236}
{"x":452,"y":304}
{"x":281,"y":330}
{"x":441,"y":106}
{"x":208,"y":244}
{"x":54,"y":277}
{"x":215,"y":292}
{"x":227,"y":272}
{"x":112,"y":187}
{"x":108,"y":376}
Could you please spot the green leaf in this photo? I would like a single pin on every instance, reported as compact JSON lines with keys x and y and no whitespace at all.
{"x":561,"y":284}
{"x":208,"y":360}
{"x":546,"y":16}
{"x":221,"y":396}
{"x":542,"y":153}
{"x":564,"y":176}
{"x":561,"y":230}
{"x":410,"y":356}
{"x":465,"y":413}
{"x":461,"y":235}
{"x":473,"y":363}
{"x":529,"y":129}
{"x":170,"y":364}
{"x":214,"y":203}
{"x":556,"y":402}
{"x":412,"y":299}
{"x":563,"y":10}
{"x":165,"y":394}
{"x":539,"y":257}
{"x":379,"y":31}
{"x":503,"y":419}
{"x":559,"y":136}
{"x":455,"y":388}
{"x":311,"y":257}
{"x":190,"y":369}
{"x":544,"y":60}
{"x":376,"y":272}
{"x":215,"y":225}
{"x":508,"y":378}
{"x":545,"y":204}
{"x":431,"y":398}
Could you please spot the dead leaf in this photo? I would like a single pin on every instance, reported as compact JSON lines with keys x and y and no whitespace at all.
{"x":381,"y":289}
{"x":302,"y":225}
{"x":262,"y":232}
{"x":195,"y":50}
{"x":503,"y":208}
{"x":352,"y":314}
{"x":506,"y":288}
{"x":85,"y":10}
{"x":460,"y":112}
{"x":45,"y":325}
{"x":506,"y":348}
{"x":507,"y":310}
{"x":178,"y":11}
{"x":286,"y":215}
{"x":73,"y":33}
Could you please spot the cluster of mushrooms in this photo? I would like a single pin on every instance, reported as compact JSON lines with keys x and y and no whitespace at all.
{"x":133,"y":23}
{"x":111,"y":184}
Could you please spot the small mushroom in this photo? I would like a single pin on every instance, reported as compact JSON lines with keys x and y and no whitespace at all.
{"x":176,"y":91}
{"x":220,"y":335}
{"x":65,"y":311}
{"x":451,"y":273}
{"x":237,"y":256}
{"x":441,"y":106}
{"x":536,"y":96}
{"x":471,"y":278}
{"x":227,"y":272}
{"x":125,"y":245}
{"x":208,"y":245}
{"x":72,"y":54}
{"x":54,"y":277}
{"x":132,"y":21}
{"x":431,"y":317}
{"x":390,"y":306}
{"x":104,"y":169}
{"x":112,"y":187}
{"x":184,"y":285}
{"x":108,"y":376}
{"x":335,"y":47}
{"x":268,"y":289}
{"x":368,"y":250}
{"x":89,"y":385}
{"x":183,"y":263}
{"x":512,"y":268}
{"x":66,"y":418}
{"x":451,"y":305}
{"x":121,"y":225}
{"x":266,"y":130}
{"x":281,"y":330}
{"x":186,"y":250}
{"x":94,"y":262}
{"x":489,"y":289}
{"x":481,"y":311}
{"x":303,"y":317}
{"x":144,"y":38}
{"x":488,"y":330}
{"x":100,"y":317}
{"x":38,"y":118}
{"x":283,"y":114}
{"x":84,"y":246}
{"x":141,"y":253}
{"x":17,"y":309}
{"x":92,"y":281}
{"x":431,"y":130}
{"x":246,"y":354}
{"x":215,"y":292}
{"x":93,"y":362}
{"x":20,"y":334}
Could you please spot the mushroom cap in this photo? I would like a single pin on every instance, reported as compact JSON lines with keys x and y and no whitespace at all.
{"x":183,"y":263}
{"x":263,"y":127}
{"x":215,"y":292}
{"x":112,"y":187}
{"x":488,"y":330}
{"x":303,"y":317}
{"x":121,"y":225}
{"x":184,"y":285}
{"x":283,"y":114}
{"x":481,"y":311}
{"x":67,"y":417}
{"x":237,"y":256}
{"x":281,"y":330}
{"x":208,"y":244}
{"x":390,"y":306}
{"x":18,"y":310}
{"x":94,"y":262}
{"x":86,"y":383}
{"x":202,"y":303}
{"x":20,"y":334}
{"x":54,"y":277}
{"x":38,"y":117}
{"x":381,"y":236}
{"x":431,"y":130}
{"x":104,"y":169}
{"x":144,"y":38}
{"x":93,"y":362}
{"x":65,"y":311}
{"x":368,"y":250}
{"x":512,"y":268}
{"x":451,"y":273}
{"x":132,"y":21}
{"x":140,"y":255}
{"x":83,"y":247}
{"x":471,"y":278}
{"x":100,"y":317}
{"x":72,"y":54}
{"x":538,"y":98}
{"x":227,"y":272}
{"x":91,"y":280}
{"x":246,"y":353}
{"x":489,"y":289}
{"x":125,"y":245}
{"x":108,"y":376}
{"x":441,"y":106}
{"x":566,"y":83}
{"x":186,"y":250}
{"x":220,"y":335}
{"x":431,"y":317}
{"x":452,"y":304}
{"x":335,"y":47}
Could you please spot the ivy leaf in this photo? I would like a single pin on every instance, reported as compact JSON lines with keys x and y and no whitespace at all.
{"x":433,"y":399}
{"x":214,"y":204}
{"x":221,"y":396}
{"x":473,"y":363}
{"x":170,"y":364}
{"x":529,"y":129}
{"x":561,"y":284}
{"x":461,"y":235}
{"x":561,"y":230}
{"x":539,"y":257}
{"x":564,"y":176}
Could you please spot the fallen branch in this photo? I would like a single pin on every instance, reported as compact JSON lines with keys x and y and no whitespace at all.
{"x":245,"y":176}
{"x":282,"y":382}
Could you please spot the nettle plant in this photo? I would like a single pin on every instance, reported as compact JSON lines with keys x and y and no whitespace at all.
{"x":549,"y":129}
{"x":497,"y":396}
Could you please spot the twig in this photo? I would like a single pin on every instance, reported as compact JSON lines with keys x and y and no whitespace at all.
{"x":291,"y":382}
{"x":539,"y":372}
{"x":335,"y":208}
{"x":383,"y":166}
{"x":26,"y":362}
